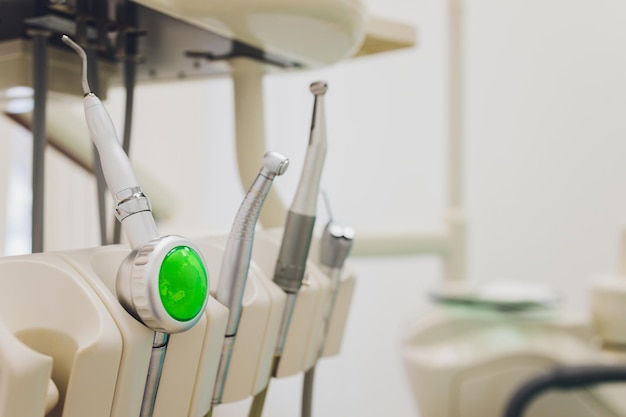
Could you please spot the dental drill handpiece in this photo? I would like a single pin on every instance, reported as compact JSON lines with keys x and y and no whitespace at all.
{"x":236,"y":258}
{"x":296,"y":240}
{"x":163,"y":283}
{"x":335,"y":247}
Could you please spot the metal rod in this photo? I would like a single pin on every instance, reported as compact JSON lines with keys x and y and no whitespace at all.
{"x":130,"y":76}
{"x":40,"y":87}
{"x":155,"y":368}
{"x":455,"y":263}
{"x":455,"y":105}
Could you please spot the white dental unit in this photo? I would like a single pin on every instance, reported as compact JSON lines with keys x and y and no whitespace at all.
{"x":103,"y":329}
{"x":147,"y":326}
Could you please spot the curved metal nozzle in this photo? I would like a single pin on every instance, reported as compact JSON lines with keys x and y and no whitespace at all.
{"x":274,"y":164}
{"x":83,"y":56}
{"x":319,"y":88}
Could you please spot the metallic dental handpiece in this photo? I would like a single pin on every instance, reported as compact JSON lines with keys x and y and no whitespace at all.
{"x":298,"y":231}
{"x":335,"y":247}
{"x":296,"y":241}
{"x":159,"y":269}
{"x":236,"y":259}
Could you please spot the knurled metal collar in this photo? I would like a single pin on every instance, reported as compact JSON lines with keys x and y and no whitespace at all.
{"x":130,"y":201}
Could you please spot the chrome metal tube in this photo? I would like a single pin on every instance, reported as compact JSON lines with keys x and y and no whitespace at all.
{"x":236,"y":258}
{"x":222,"y":370}
{"x":285,"y":322}
{"x":155,"y":368}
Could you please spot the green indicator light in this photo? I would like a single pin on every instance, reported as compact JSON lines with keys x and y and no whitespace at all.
{"x":182,"y":283}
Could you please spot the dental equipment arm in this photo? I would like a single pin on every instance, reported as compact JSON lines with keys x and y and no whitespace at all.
{"x":296,"y":241}
{"x":335,"y":247}
{"x":163,"y":283}
{"x":236,"y":259}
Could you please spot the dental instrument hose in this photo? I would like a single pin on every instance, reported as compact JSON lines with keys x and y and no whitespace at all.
{"x":335,"y":247}
{"x":298,"y":232}
{"x":40,"y":91}
{"x":159,"y":269}
{"x":562,"y":378}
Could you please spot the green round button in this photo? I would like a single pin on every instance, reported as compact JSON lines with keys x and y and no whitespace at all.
{"x":183,"y":283}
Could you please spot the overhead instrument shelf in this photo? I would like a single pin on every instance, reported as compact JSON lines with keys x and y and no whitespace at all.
{"x":385,"y":35}
{"x":178,"y":43}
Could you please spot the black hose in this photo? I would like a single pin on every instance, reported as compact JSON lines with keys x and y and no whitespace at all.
{"x":40,"y":89}
{"x":128,"y":15}
{"x":130,"y":75}
{"x":101,"y":185}
{"x":562,"y":378}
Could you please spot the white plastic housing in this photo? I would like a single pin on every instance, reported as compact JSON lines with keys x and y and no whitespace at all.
{"x":191,"y":360}
{"x":24,"y":378}
{"x":304,"y":337}
{"x":48,"y":306}
{"x":608,"y":308}
{"x":311,"y":32}
{"x":60,"y":319}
